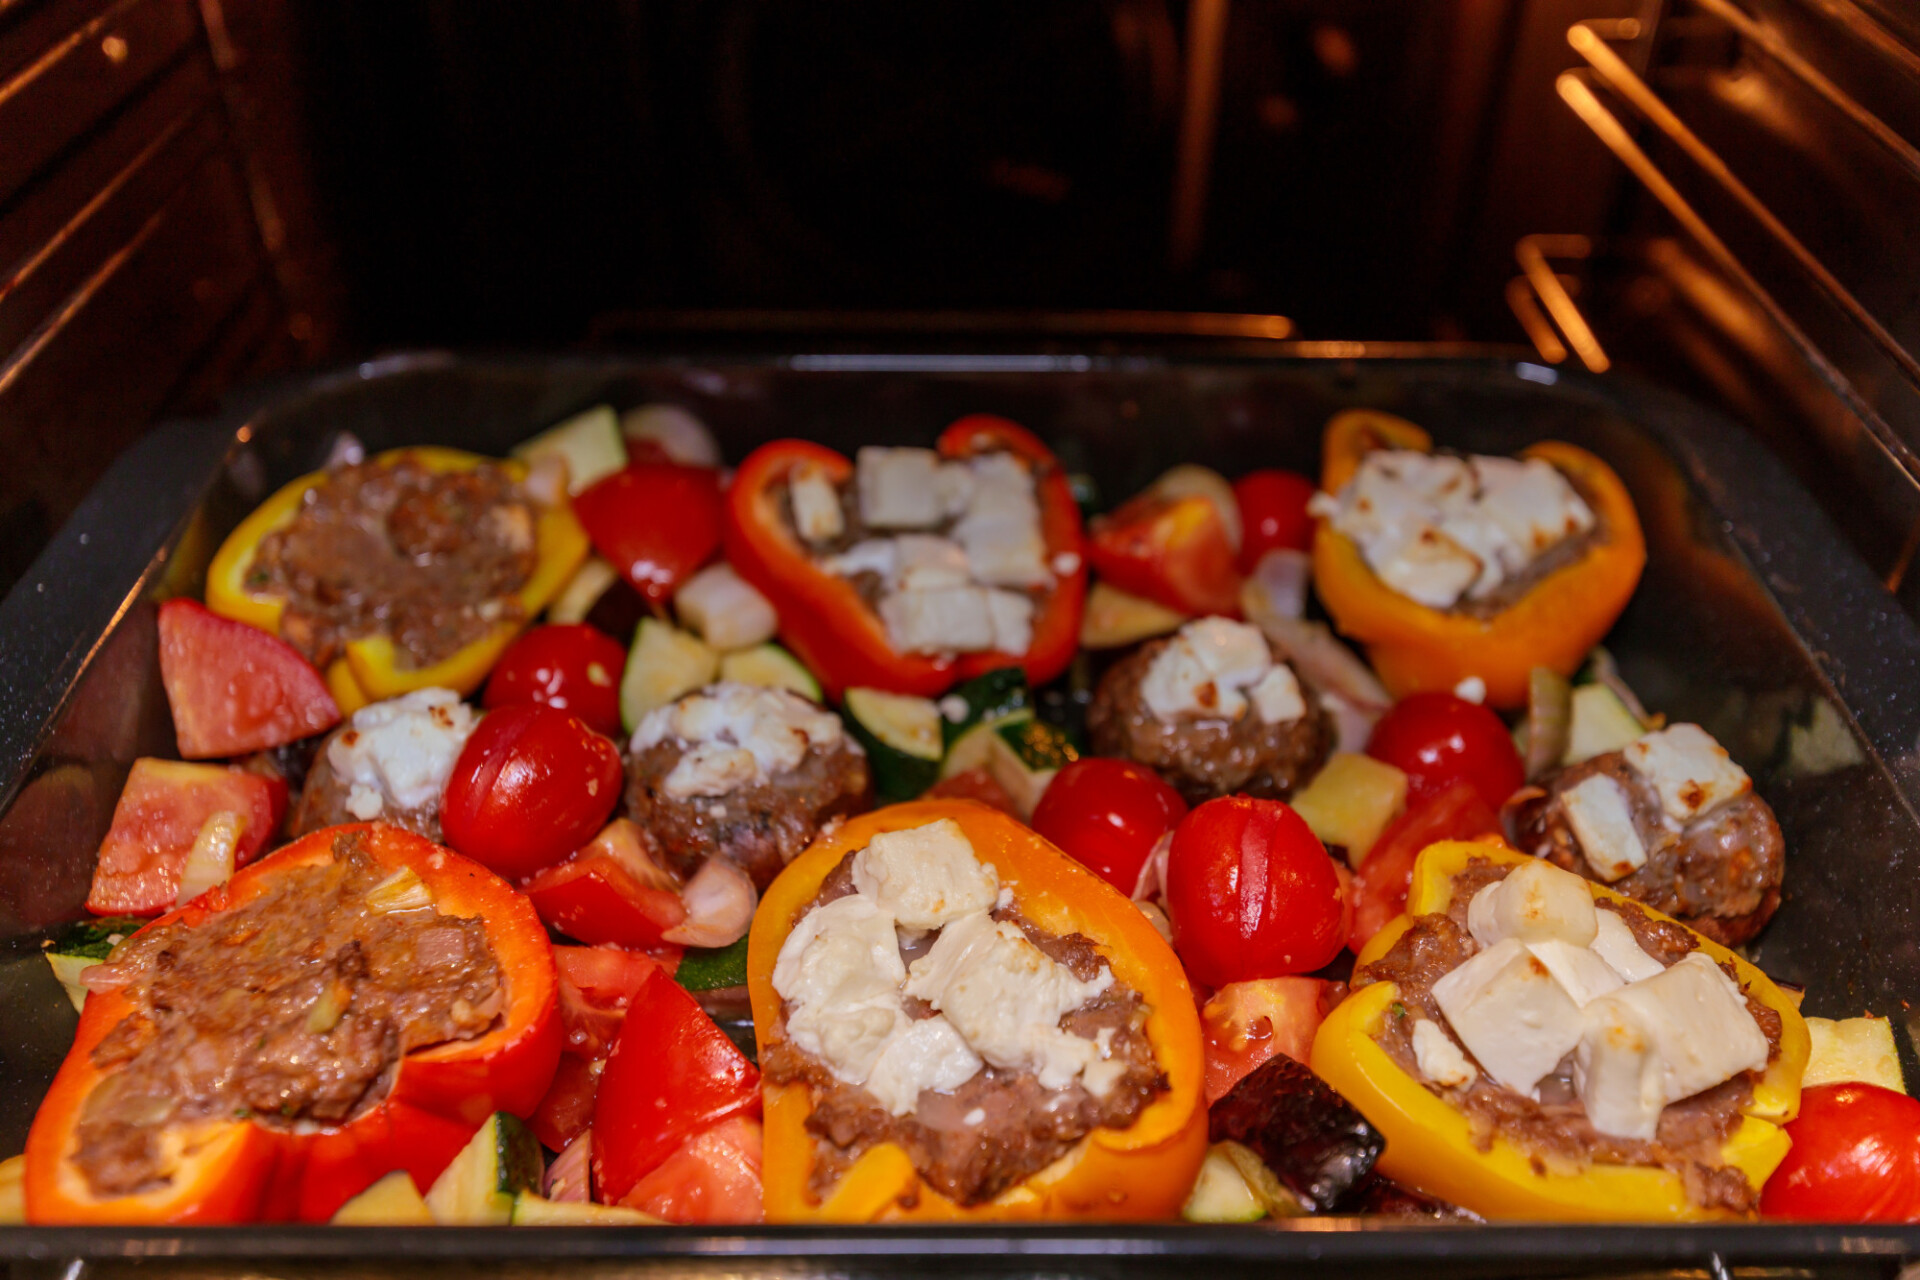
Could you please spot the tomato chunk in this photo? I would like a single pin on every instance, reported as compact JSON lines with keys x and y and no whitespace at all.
{"x":672,"y":1074}
{"x":656,"y":523}
{"x":1245,"y":1023}
{"x":1176,"y":551}
{"x":713,"y":1178}
{"x":234,"y":688}
{"x":567,"y":1110}
{"x":572,"y":666}
{"x":160,"y":813}
{"x":609,"y":892}
{"x":1380,"y":886}
{"x":1273,"y":514}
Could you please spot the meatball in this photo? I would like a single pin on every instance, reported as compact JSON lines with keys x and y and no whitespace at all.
{"x":389,"y":763}
{"x":1718,"y":874}
{"x":744,"y":773}
{"x":1206,"y":756}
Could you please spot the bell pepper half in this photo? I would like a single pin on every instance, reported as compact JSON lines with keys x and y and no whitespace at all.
{"x":1555,"y":624}
{"x":373,"y":668}
{"x":1431,"y":1144}
{"x":823,"y":618}
{"x":1141,"y":1172}
{"x":235,"y":1170}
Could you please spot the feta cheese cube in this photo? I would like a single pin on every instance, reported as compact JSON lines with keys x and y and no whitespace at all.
{"x":1429,"y":568}
{"x":923,"y":561}
{"x":1536,"y":902}
{"x":816,"y":504}
{"x":1235,"y":652}
{"x":1699,"y":1025}
{"x":925,"y":877}
{"x":923,"y":1054}
{"x":1012,"y":616}
{"x":401,"y":751}
{"x":1614,"y":942}
{"x":840,"y":973}
{"x":1583,"y":975}
{"x":899,"y":488}
{"x":710,"y":769}
{"x":1510,"y":1013}
{"x":1617,"y":1073}
{"x":942,"y":620}
{"x":1179,"y":683}
{"x":1692,"y":773}
{"x":954,"y":483}
{"x":869,"y":555}
{"x":1439,"y":1058}
{"x":1276,"y":696}
{"x":1532,"y":502}
{"x":1602,"y":821}
{"x":1004,"y":552}
{"x":736,"y":734}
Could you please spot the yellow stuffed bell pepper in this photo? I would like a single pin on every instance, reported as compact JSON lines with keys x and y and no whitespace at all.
{"x":1430,"y":1143}
{"x":373,"y":667}
{"x":1416,"y":648}
{"x":1142,"y":1172}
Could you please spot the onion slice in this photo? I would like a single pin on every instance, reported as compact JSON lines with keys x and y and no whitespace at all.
{"x":720,"y":900}
{"x":570,"y":1177}
{"x":1281,"y":577}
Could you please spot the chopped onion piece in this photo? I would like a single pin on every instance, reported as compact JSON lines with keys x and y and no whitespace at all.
{"x":1549,"y":720}
{"x":720,"y":900}
{"x":681,"y":436}
{"x":570,"y":1177}
{"x":401,"y":891}
{"x":210,"y":862}
{"x":347,"y":451}
{"x":1282,"y":575}
{"x":546,"y":481}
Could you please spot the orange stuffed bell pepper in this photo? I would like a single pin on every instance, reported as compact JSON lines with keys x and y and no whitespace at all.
{"x":371,"y":666}
{"x":1142,"y":1169}
{"x":1435,"y":1147}
{"x":1555,"y":623}
{"x":172,"y":1117}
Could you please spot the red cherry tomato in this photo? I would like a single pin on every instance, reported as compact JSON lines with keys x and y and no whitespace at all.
{"x":571,"y":666}
{"x":532,"y":785}
{"x":1106,"y":814}
{"x":1438,"y":739}
{"x":1251,"y":893}
{"x":1380,"y":886}
{"x":1273,"y":513}
{"x":1855,"y":1158}
{"x":656,"y":522}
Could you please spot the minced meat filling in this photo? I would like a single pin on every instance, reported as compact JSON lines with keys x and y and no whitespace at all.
{"x":431,"y":559}
{"x":295,"y":1007}
{"x":1000,"y":1127}
{"x":1554,"y":1130}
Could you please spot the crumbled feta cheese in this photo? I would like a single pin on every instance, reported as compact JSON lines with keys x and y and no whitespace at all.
{"x":1602,"y":821}
{"x":1430,"y":567}
{"x":1614,"y":942}
{"x":925,"y":876}
{"x":1699,"y":1022}
{"x":1617,"y":1073}
{"x":954,"y":484}
{"x":840,"y":973}
{"x":400,"y":752}
{"x":1276,"y":695}
{"x":1439,"y":1058}
{"x":1012,"y":617}
{"x":954,"y":708}
{"x":1692,"y":773}
{"x":1207,"y":668}
{"x":1536,"y":902}
{"x":924,"y":561}
{"x":869,"y":555}
{"x":1472,"y":689}
{"x":1583,"y":975}
{"x":816,"y":504}
{"x":923,"y":1054}
{"x":1001,"y":529}
{"x":736,"y":735}
{"x":899,"y":488}
{"x":942,"y":620}
{"x":1510,"y":1013}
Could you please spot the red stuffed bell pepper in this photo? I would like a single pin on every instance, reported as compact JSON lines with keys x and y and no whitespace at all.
{"x":346,"y":942}
{"x":993,"y":547}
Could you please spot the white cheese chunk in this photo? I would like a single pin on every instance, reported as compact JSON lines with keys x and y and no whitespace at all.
{"x":840,"y":973}
{"x":1531,"y":501}
{"x":923,"y":1054}
{"x":1614,"y":942}
{"x":1429,"y":568}
{"x":1699,"y":1024}
{"x":925,"y":877}
{"x":869,"y":555}
{"x":1510,"y":1013}
{"x":1617,"y":1073}
{"x":1692,"y":773}
{"x":711,"y":769}
{"x":954,"y":484}
{"x":816,"y":504}
{"x":736,"y":735}
{"x":1602,"y":822}
{"x":941,"y":620}
{"x":401,"y":752}
{"x":1583,"y":975}
{"x":1001,"y":528}
{"x":1439,"y":1058}
{"x":1205,"y":669}
{"x":1276,"y":696}
{"x":899,"y":488}
{"x":1006,"y":997}
{"x":1536,"y":902}
{"x":1012,"y":616}
{"x":923,"y":561}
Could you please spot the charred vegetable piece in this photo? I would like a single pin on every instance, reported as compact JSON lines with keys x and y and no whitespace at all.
{"x":1313,"y":1139}
{"x":1381,"y":1196}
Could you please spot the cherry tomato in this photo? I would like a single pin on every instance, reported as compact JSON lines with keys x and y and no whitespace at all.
{"x":571,"y":666}
{"x":532,"y":785}
{"x":1380,"y":886}
{"x":1245,"y":1023}
{"x":1251,"y":893}
{"x":1855,"y":1158}
{"x":1175,"y":551}
{"x":1273,"y":513}
{"x":1106,"y":814}
{"x":656,"y":522}
{"x":1438,"y":739}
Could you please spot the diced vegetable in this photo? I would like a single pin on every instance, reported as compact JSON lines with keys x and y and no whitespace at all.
{"x":770,"y":667}
{"x":1220,"y":1194}
{"x":590,"y":442}
{"x":1191,"y":481}
{"x":530,"y":1210}
{"x":1273,"y":1195}
{"x":719,"y":902}
{"x":713,"y":970}
{"x":726,"y":611}
{"x":235,"y":688}
{"x":998,"y":696}
{"x":1246,"y":1023}
{"x":656,"y":523}
{"x":1023,"y":756}
{"x":1853,"y":1049}
{"x":478,"y":1189}
{"x":712,"y":1178}
{"x":157,"y":820}
{"x":391,"y":1202}
{"x":665,"y":664}
{"x":87,"y":943}
{"x":583,"y":590}
{"x":901,"y":734}
{"x":13,"y":1191}
{"x":1599,"y":722}
{"x":1548,"y":728}
{"x":675,"y":432}
{"x":1315,"y":1141}
{"x":1351,"y":801}
{"x":612,"y":891}
{"x":210,"y":861}
{"x":1114,"y":618}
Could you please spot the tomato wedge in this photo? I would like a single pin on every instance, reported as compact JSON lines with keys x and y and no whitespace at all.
{"x":1855,"y":1158}
{"x":712,"y":1178}
{"x":234,"y":688}
{"x":655,"y":521}
{"x":1173,"y":550}
{"x":609,"y":892}
{"x":160,"y":813}
{"x":1245,"y":1023}
{"x":1380,"y":886}
{"x":672,"y":1074}
{"x":567,"y":1110}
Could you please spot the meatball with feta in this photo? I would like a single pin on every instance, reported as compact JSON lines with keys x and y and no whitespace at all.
{"x":746,"y":773}
{"x":1669,"y":820}
{"x":1214,"y":712}
{"x":389,"y":763}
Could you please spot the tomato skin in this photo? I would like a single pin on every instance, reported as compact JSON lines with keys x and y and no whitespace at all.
{"x":655,"y":521}
{"x":235,"y":688}
{"x":1251,"y":893}
{"x":1380,"y":886}
{"x":1172,"y":550}
{"x":156,"y":820}
{"x":531,"y":785}
{"x":1273,"y":514}
{"x":1855,"y":1158}
{"x":712,"y":1178}
{"x":1437,"y":739}
{"x":672,"y":1073}
{"x":1106,"y":814}
{"x":1245,"y":1023}
{"x":610,"y":892}
{"x":567,"y":1110}
{"x":571,"y":666}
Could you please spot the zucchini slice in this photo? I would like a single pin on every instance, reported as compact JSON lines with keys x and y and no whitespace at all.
{"x":1599,"y":722}
{"x":391,"y":1202}
{"x":590,"y":442}
{"x":714,"y":969}
{"x":87,"y":943}
{"x":530,"y":1210}
{"x":1023,"y":756}
{"x":770,"y":667}
{"x":999,"y":695}
{"x":583,"y":590}
{"x":664,"y":664}
{"x":902,"y":737}
{"x":478,"y":1188}
{"x":1221,"y":1194}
